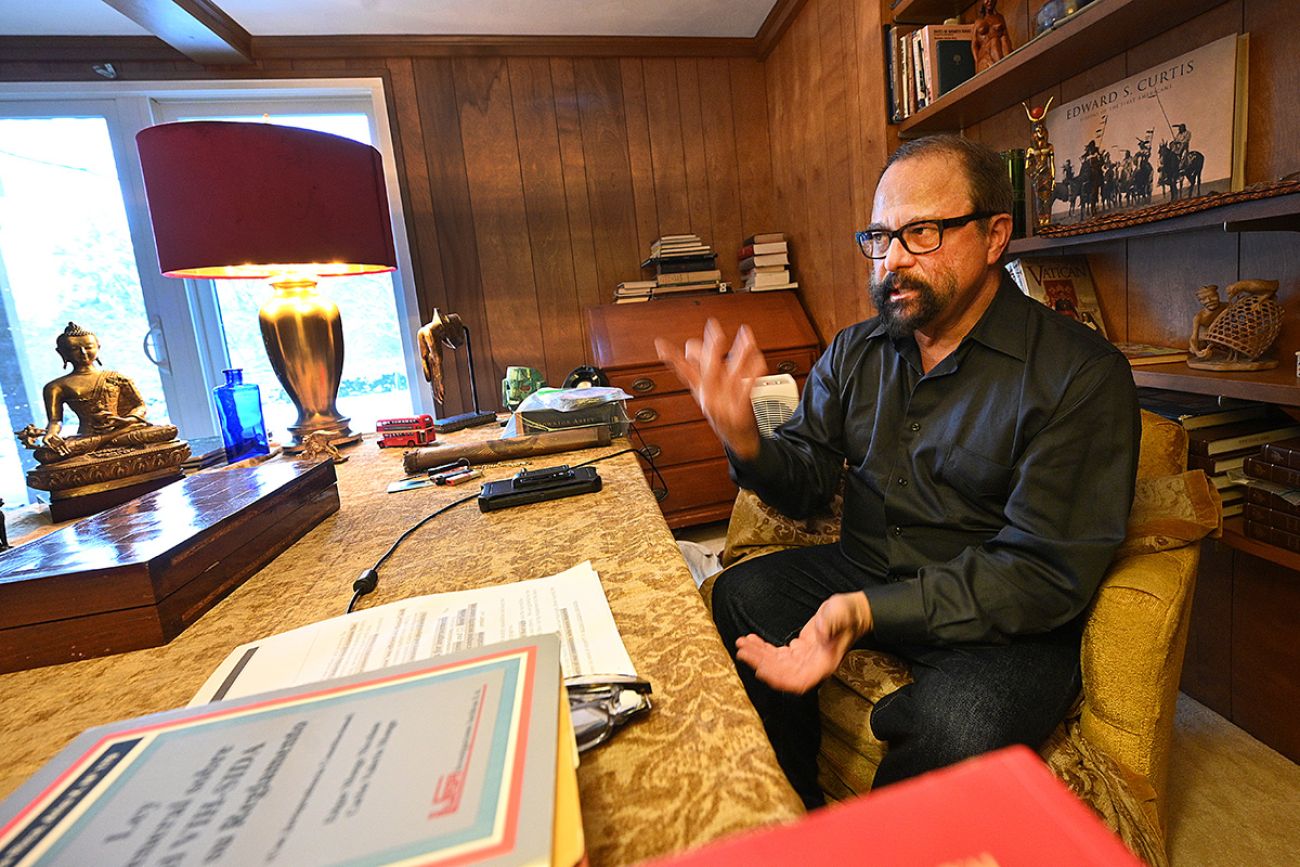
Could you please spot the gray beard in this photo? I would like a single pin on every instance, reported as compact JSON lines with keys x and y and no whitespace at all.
{"x":897,"y":324}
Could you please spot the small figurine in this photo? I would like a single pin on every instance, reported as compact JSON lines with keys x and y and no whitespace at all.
{"x":317,"y":445}
{"x":440,"y":331}
{"x":1040,"y":163}
{"x":115,"y":454}
{"x":989,"y":41}
{"x":518,"y":384}
{"x":1236,"y":335}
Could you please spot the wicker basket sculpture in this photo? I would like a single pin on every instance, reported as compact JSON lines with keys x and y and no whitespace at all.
{"x":1245,"y":329}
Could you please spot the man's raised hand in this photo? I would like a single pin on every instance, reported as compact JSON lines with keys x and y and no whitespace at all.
{"x":721,"y":381}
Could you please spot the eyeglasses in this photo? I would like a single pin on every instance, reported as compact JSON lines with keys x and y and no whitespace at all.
{"x":917,"y":237}
{"x":599,"y":704}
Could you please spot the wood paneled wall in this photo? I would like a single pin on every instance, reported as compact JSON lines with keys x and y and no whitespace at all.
{"x":829,"y":140}
{"x":534,"y":184}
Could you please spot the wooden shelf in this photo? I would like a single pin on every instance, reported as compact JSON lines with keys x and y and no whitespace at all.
{"x":1279,"y":213}
{"x":1095,"y":33}
{"x":927,"y":11}
{"x":1278,"y":386}
{"x":1234,"y":536}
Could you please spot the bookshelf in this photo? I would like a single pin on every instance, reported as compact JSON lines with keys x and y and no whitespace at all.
{"x":1095,"y":33}
{"x":926,"y":11}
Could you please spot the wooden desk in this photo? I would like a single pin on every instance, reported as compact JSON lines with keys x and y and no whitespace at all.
{"x":698,"y":767}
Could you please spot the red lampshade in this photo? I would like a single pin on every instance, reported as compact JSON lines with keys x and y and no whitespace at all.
{"x":255,"y":200}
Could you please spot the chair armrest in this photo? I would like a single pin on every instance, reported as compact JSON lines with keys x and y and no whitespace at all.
{"x":756,"y":528}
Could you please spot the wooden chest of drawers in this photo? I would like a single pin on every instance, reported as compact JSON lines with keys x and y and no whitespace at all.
{"x":687,"y":453}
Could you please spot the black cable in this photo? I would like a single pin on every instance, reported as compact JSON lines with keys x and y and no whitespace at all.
{"x":661,"y":492}
{"x":369,"y":579}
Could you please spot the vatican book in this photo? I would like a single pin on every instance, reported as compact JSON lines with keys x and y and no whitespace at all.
{"x":1173,"y":131}
{"x":1063,"y":283}
{"x":449,"y":760}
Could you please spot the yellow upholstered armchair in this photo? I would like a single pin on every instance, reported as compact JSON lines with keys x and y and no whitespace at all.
{"x":1112,"y":749}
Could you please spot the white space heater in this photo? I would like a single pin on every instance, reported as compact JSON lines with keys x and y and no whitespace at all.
{"x":774,"y":399}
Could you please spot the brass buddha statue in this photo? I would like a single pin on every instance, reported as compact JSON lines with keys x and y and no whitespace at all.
{"x":114,"y":449}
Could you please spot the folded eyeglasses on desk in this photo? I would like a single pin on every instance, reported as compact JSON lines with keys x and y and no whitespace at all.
{"x":600,"y":704}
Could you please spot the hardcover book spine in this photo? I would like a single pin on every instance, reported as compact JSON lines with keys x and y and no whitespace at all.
{"x":1285,"y":453}
{"x":1257,"y":468}
{"x":1270,"y":500}
{"x":1273,"y":518}
{"x":1272,"y":535}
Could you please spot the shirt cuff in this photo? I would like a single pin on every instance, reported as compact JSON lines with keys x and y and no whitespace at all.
{"x":897,"y":612}
{"x":749,"y":474}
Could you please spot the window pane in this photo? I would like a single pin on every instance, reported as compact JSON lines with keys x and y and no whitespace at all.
{"x":65,"y":254}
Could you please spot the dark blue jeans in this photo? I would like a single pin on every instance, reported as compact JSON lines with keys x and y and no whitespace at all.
{"x":965,"y":699}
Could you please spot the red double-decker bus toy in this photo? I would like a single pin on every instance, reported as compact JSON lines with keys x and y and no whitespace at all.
{"x":405,"y":432}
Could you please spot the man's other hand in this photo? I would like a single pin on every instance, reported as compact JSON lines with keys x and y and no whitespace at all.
{"x":721,"y":381}
{"x":817,"y":651}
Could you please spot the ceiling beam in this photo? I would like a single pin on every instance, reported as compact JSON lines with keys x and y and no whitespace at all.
{"x":199,"y":29}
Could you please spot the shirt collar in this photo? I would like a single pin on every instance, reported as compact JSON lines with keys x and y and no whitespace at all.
{"x":1000,"y":328}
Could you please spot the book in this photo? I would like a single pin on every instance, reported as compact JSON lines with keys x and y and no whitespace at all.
{"x":1063,"y":283}
{"x":1258,"y":468}
{"x":1003,"y":807}
{"x":750,"y":262}
{"x":762,"y":249}
{"x":1239,"y":435}
{"x":949,"y":57}
{"x":676,"y":264}
{"x":1272,"y":535}
{"x":1284,"y":453}
{"x":1284,"y":521}
{"x":1145,"y":353}
{"x":1219,"y":464}
{"x":1277,"y":498}
{"x":357,"y":767}
{"x":1231,"y":509}
{"x":774,"y":288}
{"x":763,"y":238}
{"x":1182,"y":121}
{"x":688,"y":277}
{"x":767,"y":278}
{"x":1194,"y":411}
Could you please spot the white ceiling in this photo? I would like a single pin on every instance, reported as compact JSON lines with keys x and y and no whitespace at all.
{"x":734,"y":18}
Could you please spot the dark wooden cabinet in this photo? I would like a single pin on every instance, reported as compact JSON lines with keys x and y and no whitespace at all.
{"x":688,"y":455}
{"x":1242,"y":659}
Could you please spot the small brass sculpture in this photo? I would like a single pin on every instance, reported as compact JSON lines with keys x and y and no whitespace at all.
{"x":1235,"y":335}
{"x":114,"y":447}
{"x":1040,"y":163}
{"x":317,"y":445}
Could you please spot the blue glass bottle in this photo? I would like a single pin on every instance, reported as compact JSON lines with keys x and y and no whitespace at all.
{"x":239,"y":405}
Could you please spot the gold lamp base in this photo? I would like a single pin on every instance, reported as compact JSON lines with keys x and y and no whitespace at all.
{"x":303,"y":334}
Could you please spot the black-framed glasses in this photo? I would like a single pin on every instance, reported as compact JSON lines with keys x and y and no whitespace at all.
{"x":917,"y":237}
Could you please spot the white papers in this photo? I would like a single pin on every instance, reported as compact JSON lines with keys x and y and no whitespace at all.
{"x":571,"y":604}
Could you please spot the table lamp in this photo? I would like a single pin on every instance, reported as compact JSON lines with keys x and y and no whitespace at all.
{"x":255,"y":200}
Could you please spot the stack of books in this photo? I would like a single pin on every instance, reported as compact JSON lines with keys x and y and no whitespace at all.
{"x":1222,"y":433}
{"x":1273,"y":498}
{"x":682,"y":264}
{"x":765,"y":263}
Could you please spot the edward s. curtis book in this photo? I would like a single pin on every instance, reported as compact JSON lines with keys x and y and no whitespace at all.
{"x":1063,"y":283}
{"x":1240,"y":435}
{"x":1183,"y":121}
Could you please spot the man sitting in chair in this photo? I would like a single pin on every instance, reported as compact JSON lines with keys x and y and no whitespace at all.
{"x":990,"y":448}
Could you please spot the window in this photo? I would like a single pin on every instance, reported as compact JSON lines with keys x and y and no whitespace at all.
{"x":76,"y":244}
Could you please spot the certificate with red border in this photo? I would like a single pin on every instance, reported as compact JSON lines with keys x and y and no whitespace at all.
{"x":446,"y":761}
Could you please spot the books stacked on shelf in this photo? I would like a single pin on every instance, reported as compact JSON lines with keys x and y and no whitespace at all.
{"x":924,"y":63}
{"x":765,"y":263}
{"x":682,"y":264}
{"x":1223,"y":449}
{"x":1063,"y":283}
{"x":1273,"y":495}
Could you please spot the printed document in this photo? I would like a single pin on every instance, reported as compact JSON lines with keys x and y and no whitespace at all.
{"x":571,"y":604}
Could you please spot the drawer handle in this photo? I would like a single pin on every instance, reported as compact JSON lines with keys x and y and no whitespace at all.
{"x":643,"y":384}
{"x":653,"y":451}
{"x":646,"y":415}
{"x":787,"y":367}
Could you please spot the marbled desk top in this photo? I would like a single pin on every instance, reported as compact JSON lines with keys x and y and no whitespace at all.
{"x":696,"y":768}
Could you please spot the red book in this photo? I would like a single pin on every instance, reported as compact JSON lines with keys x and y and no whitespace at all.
{"x":1002,"y":808}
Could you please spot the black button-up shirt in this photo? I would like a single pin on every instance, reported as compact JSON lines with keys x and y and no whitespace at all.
{"x":990,"y":494}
